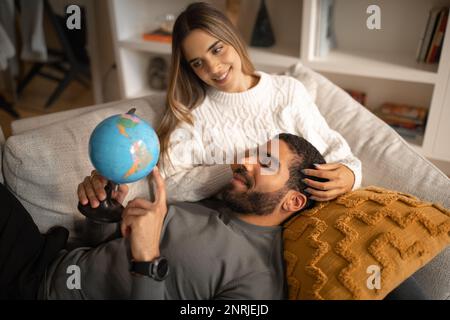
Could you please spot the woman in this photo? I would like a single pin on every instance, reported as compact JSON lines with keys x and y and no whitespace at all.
{"x":218,"y":104}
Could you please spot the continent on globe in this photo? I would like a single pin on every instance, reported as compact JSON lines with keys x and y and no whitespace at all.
{"x":141,"y":158}
{"x":127,"y":121}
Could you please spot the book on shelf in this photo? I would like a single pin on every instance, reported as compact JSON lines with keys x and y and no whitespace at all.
{"x":359,"y":96}
{"x":409,"y":121}
{"x":404,"y":110}
{"x":399,"y":121}
{"x":415,"y":136}
{"x":431,"y":41}
{"x":438,"y":38}
{"x":428,"y":33}
{"x":159,"y":35}
{"x":326,"y":38}
{"x":412,"y":133}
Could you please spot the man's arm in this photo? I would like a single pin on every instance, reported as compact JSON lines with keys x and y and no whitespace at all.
{"x":142,"y":223}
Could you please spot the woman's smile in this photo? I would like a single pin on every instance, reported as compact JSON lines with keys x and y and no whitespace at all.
{"x":222,"y":78}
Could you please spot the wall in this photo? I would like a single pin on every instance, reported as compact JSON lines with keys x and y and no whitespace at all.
{"x":107,"y":66}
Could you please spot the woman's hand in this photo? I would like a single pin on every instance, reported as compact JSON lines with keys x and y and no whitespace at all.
{"x":92,"y":190}
{"x":340,"y":180}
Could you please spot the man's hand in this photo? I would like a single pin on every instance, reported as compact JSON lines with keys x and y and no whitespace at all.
{"x":341,"y":180}
{"x":92,"y":190}
{"x":142,"y":221}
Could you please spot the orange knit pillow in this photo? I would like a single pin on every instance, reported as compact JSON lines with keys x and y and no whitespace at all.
{"x":334,"y":250}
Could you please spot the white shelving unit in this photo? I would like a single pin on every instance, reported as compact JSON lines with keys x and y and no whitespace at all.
{"x":376,"y":65}
{"x":383,"y":64}
{"x":379,"y":62}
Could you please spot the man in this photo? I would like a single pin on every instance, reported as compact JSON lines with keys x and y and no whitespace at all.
{"x":211,"y":254}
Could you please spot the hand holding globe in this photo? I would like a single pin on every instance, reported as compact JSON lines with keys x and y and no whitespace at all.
{"x":123,"y":148}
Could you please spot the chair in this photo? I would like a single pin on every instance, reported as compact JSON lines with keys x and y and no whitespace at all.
{"x":71,"y":62}
{"x":5,"y":105}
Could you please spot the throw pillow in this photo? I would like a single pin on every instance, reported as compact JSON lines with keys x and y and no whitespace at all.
{"x":361,"y":245}
{"x":299,"y":72}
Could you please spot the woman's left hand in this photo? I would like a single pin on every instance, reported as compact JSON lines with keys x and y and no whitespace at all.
{"x":340,"y":180}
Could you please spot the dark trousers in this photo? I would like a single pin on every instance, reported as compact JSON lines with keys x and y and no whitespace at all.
{"x":408,"y":290}
{"x":24,"y":252}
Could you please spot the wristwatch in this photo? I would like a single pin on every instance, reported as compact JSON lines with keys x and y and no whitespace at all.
{"x":157,"y":269}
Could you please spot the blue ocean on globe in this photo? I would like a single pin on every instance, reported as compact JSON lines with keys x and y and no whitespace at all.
{"x":124,"y":148}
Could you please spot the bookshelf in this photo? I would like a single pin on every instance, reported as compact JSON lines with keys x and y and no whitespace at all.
{"x":381,"y":63}
{"x":375,"y":65}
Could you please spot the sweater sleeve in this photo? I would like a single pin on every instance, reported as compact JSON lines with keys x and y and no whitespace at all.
{"x":303,"y":117}
{"x":187,"y":177}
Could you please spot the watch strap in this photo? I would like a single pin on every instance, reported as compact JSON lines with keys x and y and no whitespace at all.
{"x":142,"y":267}
{"x":151,"y":268}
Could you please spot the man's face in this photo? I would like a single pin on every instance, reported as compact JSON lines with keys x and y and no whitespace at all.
{"x":257,"y":186}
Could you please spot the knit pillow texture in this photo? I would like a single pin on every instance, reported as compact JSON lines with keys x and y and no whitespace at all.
{"x":361,"y":245}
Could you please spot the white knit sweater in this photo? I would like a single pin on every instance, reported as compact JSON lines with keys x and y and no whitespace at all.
{"x":236,"y":121}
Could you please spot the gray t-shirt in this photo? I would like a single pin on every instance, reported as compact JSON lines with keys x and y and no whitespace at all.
{"x":212,"y":255}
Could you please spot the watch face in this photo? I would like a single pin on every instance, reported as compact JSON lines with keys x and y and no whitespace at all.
{"x":163,"y":267}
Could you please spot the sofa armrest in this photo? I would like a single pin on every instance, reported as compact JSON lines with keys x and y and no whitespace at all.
{"x":22,"y":125}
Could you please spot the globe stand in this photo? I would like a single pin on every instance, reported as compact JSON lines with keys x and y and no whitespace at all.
{"x":109,"y":210}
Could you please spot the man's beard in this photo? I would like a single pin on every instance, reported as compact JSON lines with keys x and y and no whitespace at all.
{"x":252,"y":202}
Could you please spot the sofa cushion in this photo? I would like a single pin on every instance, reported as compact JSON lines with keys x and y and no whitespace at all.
{"x":362,"y":245}
{"x":44,"y":166}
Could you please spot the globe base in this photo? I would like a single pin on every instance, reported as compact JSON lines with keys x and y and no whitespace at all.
{"x":109,"y":211}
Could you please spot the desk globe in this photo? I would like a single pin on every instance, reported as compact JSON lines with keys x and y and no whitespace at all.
{"x":122,"y":148}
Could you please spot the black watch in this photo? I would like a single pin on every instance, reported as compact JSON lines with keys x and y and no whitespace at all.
{"x":157,"y":269}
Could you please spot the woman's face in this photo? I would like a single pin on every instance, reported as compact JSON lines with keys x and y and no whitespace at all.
{"x":215,"y":62}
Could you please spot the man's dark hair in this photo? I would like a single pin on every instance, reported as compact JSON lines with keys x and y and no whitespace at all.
{"x":306,"y":155}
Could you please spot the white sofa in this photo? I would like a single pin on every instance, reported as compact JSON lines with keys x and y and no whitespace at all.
{"x":47,"y":156}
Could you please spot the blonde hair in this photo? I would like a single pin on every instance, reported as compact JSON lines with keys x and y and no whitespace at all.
{"x":186,"y":91}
